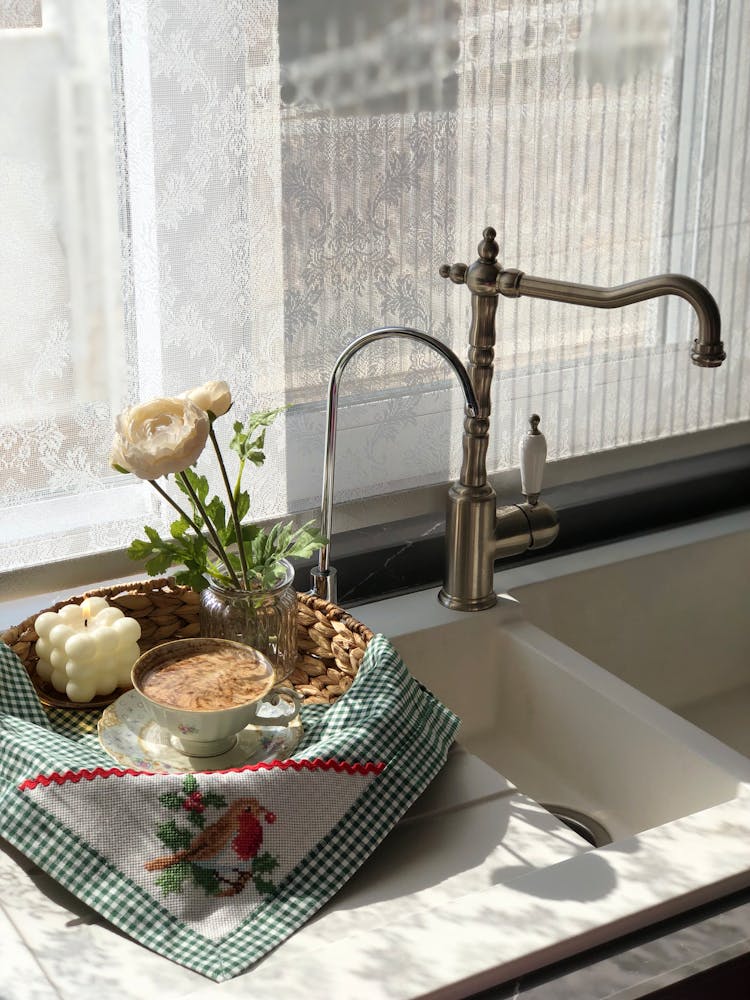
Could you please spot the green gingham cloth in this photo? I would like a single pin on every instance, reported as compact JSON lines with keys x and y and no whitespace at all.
{"x":214,"y":869}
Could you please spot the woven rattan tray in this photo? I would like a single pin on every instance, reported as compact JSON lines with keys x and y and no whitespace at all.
{"x":330,"y":642}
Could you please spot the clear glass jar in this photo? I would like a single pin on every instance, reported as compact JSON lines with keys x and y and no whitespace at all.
{"x":264,"y":619}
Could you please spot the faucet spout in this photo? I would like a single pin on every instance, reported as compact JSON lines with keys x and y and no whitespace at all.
{"x":707,"y":351}
{"x":324,"y":576}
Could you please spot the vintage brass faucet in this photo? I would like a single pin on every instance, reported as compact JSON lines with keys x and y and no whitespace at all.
{"x":476,"y":532}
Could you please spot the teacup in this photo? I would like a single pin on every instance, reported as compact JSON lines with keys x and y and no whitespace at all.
{"x":205,"y":691}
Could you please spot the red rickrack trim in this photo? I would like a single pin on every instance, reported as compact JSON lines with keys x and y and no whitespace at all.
{"x":318,"y":764}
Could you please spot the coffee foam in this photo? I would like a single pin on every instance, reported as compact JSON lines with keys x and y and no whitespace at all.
{"x":207,"y":682}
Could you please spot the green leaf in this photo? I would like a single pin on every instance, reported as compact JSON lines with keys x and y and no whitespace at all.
{"x":152,"y":534}
{"x":263,"y":418}
{"x":191,"y":578}
{"x":171,"y":800}
{"x":190,"y":784}
{"x":176,"y":838}
{"x":196,"y":818}
{"x":173,"y":878}
{"x":264,"y":863}
{"x":138,"y":549}
{"x":245,"y":442}
{"x":217,"y":514}
{"x":263,"y":885}
{"x":214,"y":800}
{"x":179,"y":527}
{"x":243,"y":504}
{"x":159,"y":564}
{"x":198,"y":482}
{"x":119,"y":468}
{"x":206,"y":878}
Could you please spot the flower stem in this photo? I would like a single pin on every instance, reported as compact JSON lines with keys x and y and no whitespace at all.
{"x":232,"y":507}
{"x":211,"y":530}
{"x":238,"y":484}
{"x":219,"y":553}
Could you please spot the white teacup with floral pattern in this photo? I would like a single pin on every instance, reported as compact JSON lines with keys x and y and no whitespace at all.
{"x":205,"y":691}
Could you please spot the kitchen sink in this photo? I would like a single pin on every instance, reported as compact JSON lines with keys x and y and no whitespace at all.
{"x":563,"y":731}
{"x":672,"y":620}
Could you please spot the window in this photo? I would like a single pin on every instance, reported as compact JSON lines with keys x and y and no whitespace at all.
{"x":279,"y":178}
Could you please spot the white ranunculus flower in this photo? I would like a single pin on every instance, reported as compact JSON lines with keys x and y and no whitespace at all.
{"x":213,"y":397}
{"x":162,"y":436}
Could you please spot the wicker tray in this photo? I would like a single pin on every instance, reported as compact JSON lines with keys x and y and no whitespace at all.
{"x":330,"y":642}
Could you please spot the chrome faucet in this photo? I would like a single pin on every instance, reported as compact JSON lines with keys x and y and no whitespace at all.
{"x":324,"y":575}
{"x":476,"y":532}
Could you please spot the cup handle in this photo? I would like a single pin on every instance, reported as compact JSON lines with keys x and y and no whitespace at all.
{"x":272,"y":698}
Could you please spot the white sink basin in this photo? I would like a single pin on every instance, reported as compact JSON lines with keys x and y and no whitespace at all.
{"x":674,"y":623}
{"x":563,"y":731}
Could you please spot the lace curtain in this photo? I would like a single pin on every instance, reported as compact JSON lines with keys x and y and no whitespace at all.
{"x":20,"y":13}
{"x":290,"y":174}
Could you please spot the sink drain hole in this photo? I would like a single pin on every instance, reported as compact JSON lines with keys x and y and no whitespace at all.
{"x":591,"y":831}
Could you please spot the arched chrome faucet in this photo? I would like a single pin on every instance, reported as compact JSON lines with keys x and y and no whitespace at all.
{"x":324,"y":576}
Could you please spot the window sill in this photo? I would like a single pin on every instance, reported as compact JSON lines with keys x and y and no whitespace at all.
{"x":394,"y":543}
{"x":389,"y":559}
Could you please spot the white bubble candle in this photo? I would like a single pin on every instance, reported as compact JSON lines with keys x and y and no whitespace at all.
{"x":86,"y":650}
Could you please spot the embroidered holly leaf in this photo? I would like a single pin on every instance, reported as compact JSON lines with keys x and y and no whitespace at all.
{"x":175,"y":837}
{"x":190,"y":784}
{"x":264,"y":863}
{"x":263,"y":885}
{"x":171,"y":800}
{"x":217,"y":801}
{"x":173,"y":878}
{"x":196,"y":818}
{"x":207,"y":879}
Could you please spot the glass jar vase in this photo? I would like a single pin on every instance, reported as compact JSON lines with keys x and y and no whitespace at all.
{"x":263,"y":618}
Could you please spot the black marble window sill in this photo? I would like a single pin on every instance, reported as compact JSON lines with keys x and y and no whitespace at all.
{"x":399,"y":557}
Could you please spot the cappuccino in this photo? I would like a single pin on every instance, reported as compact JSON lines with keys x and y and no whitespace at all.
{"x":208,"y":681}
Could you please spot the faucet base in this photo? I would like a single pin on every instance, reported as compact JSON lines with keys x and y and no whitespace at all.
{"x":474,"y":604}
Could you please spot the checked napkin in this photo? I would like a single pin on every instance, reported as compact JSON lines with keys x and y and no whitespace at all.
{"x":214,"y":869}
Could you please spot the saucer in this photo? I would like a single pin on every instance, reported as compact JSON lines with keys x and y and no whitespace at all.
{"x":131,"y":737}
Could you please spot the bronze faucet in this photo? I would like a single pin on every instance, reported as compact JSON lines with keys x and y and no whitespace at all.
{"x":476,"y":532}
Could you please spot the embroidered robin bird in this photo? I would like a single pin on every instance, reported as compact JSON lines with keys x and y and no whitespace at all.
{"x":239,"y":827}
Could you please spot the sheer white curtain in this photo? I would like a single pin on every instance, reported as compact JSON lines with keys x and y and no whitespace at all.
{"x":20,"y":13}
{"x":290,"y":174}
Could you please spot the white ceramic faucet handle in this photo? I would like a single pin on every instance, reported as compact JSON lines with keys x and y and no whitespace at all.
{"x":532,"y":456}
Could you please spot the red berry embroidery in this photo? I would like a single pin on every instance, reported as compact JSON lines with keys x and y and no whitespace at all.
{"x":194,"y":803}
{"x":270,"y":817}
